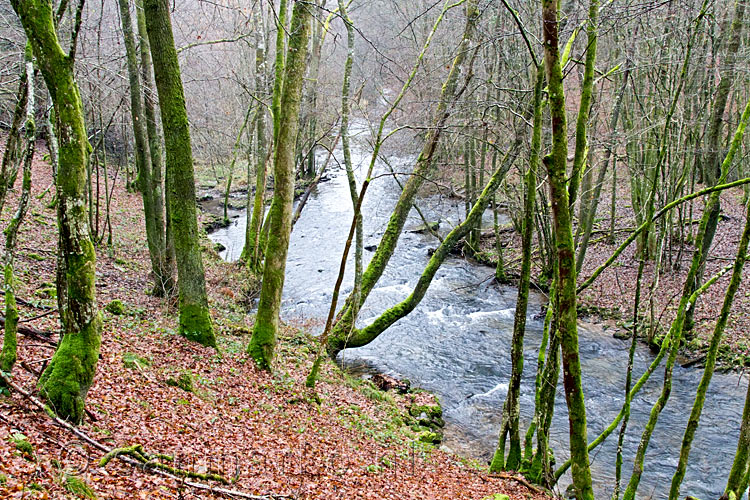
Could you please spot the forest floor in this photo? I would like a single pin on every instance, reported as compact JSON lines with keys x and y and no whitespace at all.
{"x":212,"y":410}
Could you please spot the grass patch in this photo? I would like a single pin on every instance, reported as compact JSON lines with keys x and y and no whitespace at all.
{"x":75,"y":485}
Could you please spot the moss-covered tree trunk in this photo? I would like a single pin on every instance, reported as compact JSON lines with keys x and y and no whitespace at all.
{"x":195,"y":320}
{"x":161,"y":222}
{"x":587,"y":94}
{"x":713,"y":350}
{"x":449,"y":92}
{"x":9,"y":351}
{"x":360,"y":337}
{"x":10,"y":155}
{"x":510,"y":426}
{"x":565,"y":272}
{"x":345,"y":114}
{"x":251,"y":253}
{"x":154,"y":233}
{"x":70,"y":373}
{"x":263,"y":341}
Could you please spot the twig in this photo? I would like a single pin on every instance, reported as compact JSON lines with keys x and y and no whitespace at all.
{"x":38,"y":316}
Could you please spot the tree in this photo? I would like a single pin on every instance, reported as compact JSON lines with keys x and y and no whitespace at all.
{"x":263,"y":341}
{"x":252,"y":255}
{"x":195,"y":320}
{"x":340,"y":335}
{"x":70,"y":373}
{"x":565,"y":270}
{"x":154,"y":222}
{"x":9,"y":351}
{"x":161,"y":220}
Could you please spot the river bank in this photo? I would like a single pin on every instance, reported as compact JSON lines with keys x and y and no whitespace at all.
{"x":608,"y":302}
{"x":211,"y":410}
{"x":456,"y":342}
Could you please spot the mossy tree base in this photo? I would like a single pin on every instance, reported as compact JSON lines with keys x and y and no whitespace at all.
{"x":69,"y":375}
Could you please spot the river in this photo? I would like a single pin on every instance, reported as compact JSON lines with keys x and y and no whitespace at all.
{"x":456,"y":343}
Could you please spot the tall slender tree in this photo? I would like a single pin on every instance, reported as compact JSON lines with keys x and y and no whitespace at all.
{"x":263,"y":341}
{"x":195,"y":320}
{"x":9,"y":351}
{"x":160,"y":206}
{"x":251,"y":253}
{"x":565,"y":270}
{"x":154,"y":223}
{"x":69,"y":375}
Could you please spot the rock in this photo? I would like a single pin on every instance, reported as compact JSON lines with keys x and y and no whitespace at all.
{"x":621,"y":334}
{"x":424,"y":228}
{"x":429,"y":437}
{"x":219,"y":246}
{"x":386,"y":383}
{"x":371,"y":248}
{"x":215,"y":222}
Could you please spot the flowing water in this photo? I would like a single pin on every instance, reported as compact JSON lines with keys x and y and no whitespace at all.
{"x":457,"y":343}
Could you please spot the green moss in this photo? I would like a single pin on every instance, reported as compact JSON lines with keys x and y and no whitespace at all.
{"x":195,"y":324}
{"x":35,"y":256}
{"x":10,"y":338}
{"x":184,"y":381}
{"x":46,"y":291}
{"x":22,"y":444}
{"x":116,"y":307}
{"x":133,"y":361}
{"x":497,"y":496}
{"x":429,"y":437}
{"x":68,"y":377}
{"x":3,"y":479}
{"x":75,"y":485}
{"x":432,"y":411}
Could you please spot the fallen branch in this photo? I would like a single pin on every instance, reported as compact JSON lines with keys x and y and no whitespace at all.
{"x":131,"y":461}
{"x":27,"y":331}
{"x":150,"y":460}
{"x":524,"y":482}
{"x":38,"y":316}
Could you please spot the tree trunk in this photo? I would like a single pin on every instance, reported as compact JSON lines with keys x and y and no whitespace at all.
{"x":154,"y":233}
{"x":263,"y":341}
{"x":582,"y":123}
{"x":70,"y":373}
{"x":9,"y":351}
{"x":345,"y":113}
{"x":10,"y":155}
{"x":512,"y":405}
{"x":252,"y":254}
{"x":165,"y":285}
{"x":388,"y":242}
{"x":565,"y":271}
{"x":195,"y":321}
